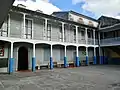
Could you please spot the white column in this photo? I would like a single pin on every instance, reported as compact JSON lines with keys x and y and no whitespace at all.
{"x":76,"y":34}
{"x":51,"y":51}
{"x":86,"y":36}
{"x":94,"y":51}
{"x":77,"y":51}
{"x":34,"y":50}
{"x":8,"y":25}
{"x":99,"y":43}
{"x":11,"y":56}
{"x":63,"y":30}
{"x":65,"y":51}
{"x":94,"y":36}
{"x":46,"y":21}
{"x":23,"y":26}
{"x":86,"y":51}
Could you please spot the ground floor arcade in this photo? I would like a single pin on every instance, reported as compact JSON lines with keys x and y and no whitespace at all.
{"x":19,"y":56}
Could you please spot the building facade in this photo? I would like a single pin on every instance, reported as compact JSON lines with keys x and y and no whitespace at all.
{"x":30,"y":39}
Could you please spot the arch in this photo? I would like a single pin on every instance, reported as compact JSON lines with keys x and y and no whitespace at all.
{"x":43,"y":44}
{"x":22,"y":58}
{"x":71,"y":45}
{"x":80,"y":20}
{"x":81,"y":46}
{"x":4,"y":40}
{"x":23,"y":42}
{"x":90,"y":23}
{"x":58,"y":44}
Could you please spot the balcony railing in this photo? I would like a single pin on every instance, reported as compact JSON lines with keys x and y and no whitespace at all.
{"x":110,"y":41}
{"x":90,"y":41}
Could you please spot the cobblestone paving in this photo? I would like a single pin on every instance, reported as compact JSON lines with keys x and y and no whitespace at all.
{"x":82,"y":78}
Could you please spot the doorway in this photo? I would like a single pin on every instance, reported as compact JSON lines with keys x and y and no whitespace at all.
{"x":22,"y":58}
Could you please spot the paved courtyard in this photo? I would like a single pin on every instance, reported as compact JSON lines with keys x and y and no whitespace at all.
{"x":82,"y":78}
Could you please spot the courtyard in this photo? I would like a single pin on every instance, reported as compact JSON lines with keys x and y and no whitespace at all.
{"x":105,"y":77}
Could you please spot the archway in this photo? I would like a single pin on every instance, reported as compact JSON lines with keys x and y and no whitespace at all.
{"x":22,"y":58}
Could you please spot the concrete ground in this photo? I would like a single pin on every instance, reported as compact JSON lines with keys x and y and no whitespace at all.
{"x":82,"y":78}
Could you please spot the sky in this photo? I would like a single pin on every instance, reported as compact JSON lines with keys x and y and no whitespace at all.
{"x":91,"y":8}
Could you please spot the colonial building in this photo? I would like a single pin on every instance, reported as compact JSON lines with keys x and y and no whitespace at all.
{"x":30,"y":39}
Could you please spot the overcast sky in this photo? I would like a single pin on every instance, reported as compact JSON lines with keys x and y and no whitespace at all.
{"x":92,"y":8}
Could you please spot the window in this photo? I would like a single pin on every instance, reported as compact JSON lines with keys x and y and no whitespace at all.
{"x":4,"y":29}
{"x":28,"y":28}
{"x":82,"y":33}
{"x":49,"y":32}
{"x":89,"y":34}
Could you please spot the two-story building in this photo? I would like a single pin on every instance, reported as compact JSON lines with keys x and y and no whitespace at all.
{"x":30,"y":39}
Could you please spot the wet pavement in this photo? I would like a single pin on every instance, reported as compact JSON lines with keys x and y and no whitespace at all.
{"x":82,"y":78}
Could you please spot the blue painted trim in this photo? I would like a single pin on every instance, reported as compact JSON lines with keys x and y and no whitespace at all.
{"x":33,"y":63}
{"x":65,"y":62}
{"x":87,"y":60}
{"x":11,"y":63}
{"x":95,"y":60}
{"x":77,"y":62}
{"x":101,"y":60}
{"x":51,"y":63}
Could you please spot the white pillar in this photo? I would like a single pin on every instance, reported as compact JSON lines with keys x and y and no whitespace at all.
{"x":86,"y":36}
{"x":63,"y":30}
{"x":77,"y":51}
{"x":11,"y":50}
{"x":8,"y":25}
{"x":86,"y":51}
{"x":76,"y":34}
{"x":94,"y":51}
{"x":65,"y":51}
{"x":46,"y":21}
{"x":51,"y":51}
{"x":23,"y":25}
{"x":94,"y":36}
{"x":34,"y":50}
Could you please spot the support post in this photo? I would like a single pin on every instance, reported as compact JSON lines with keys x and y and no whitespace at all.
{"x":11,"y":61}
{"x":65,"y":59}
{"x":94,"y":58}
{"x":95,"y":61}
{"x":45,"y":29}
{"x":100,"y":55}
{"x":63,"y":31}
{"x":77,"y":57}
{"x":87,"y":61}
{"x":51,"y":59}
{"x":24,"y":31}
{"x":33,"y":59}
{"x":76,"y":34}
